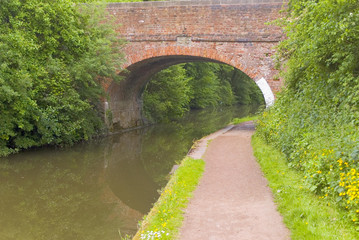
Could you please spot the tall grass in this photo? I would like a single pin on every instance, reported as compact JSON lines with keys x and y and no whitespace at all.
{"x":307,"y":215}
{"x":166,"y":216}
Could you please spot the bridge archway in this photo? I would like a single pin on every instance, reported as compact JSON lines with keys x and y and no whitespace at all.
{"x":165,"y":33}
{"x":125,"y":99}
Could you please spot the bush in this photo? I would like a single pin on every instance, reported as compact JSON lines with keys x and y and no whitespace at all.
{"x":315,"y":119}
{"x":53,"y":59}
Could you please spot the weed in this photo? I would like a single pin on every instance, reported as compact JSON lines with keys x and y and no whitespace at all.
{"x":307,"y":215}
{"x":166,"y":216}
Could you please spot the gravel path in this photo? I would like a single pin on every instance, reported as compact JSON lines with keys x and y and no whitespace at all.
{"x":232,"y":201}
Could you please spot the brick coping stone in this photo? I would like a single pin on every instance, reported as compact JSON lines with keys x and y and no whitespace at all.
{"x":191,"y":3}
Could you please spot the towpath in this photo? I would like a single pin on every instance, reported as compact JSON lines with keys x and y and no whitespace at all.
{"x":232,"y":201}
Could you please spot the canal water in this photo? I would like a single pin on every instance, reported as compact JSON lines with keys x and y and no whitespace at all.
{"x":99,"y":189}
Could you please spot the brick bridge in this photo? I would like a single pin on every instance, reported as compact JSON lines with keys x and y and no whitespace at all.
{"x":161,"y":34}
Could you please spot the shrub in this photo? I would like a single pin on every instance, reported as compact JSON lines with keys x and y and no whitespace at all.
{"x":53,"y":59}
{"x":315,"y":119}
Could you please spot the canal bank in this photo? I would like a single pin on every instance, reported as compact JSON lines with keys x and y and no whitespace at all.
{"x":232,"y":198}
{"x":98,"y":188}
{"x":219,"y":211}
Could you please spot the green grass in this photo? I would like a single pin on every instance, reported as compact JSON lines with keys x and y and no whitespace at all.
{"x":245,"y":119}
{"x":166,"y":216}
{"x":306,"y":216}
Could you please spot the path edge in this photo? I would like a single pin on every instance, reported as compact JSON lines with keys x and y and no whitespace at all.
{"x":199,"y":147}
{"x":196,"y":152}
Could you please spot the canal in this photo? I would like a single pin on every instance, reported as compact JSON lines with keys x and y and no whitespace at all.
{"x":98,"y":189}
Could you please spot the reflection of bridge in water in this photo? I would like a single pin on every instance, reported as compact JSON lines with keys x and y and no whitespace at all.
{"x":161,"y":34}
{"x":137,"y":162}
{"x":126,"y":175}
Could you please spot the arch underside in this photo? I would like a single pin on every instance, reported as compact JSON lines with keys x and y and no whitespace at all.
{"x":126,"y":100}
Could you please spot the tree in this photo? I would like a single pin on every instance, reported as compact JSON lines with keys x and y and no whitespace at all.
{"x":167,"y":97}
{"x":176,"y":90}
{"x":316,"y":118}
{"x":244,"y":90}
{"x":54,"y":57}
{"x":204,"y":85}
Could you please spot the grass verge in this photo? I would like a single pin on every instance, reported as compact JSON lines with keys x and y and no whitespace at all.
{"x":166,"y":216}
{"x":245,"y":119}
{"x":306,"y":216}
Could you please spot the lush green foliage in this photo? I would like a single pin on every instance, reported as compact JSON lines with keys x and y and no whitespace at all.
{"x":205,"y":87}
{"x":306,"y":215}
{"x":315,"y":120}
{"x":166,"y":216}
{"x":175,"y":90}
{"x":53,"y":57}
{"x":168,"y":94}
{"x":244,"y":119}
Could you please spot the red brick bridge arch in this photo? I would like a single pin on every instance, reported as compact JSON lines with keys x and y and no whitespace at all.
{"x":161,"y":34}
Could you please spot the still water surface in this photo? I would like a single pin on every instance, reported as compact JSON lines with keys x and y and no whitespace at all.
{"x":98,"y":189}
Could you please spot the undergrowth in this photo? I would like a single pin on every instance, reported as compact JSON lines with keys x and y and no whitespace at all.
{"x":244,"y":119}
{"x":307,"y":215}
{"x":315,"y":119}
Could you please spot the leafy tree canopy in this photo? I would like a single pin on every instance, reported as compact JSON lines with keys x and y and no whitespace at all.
{"x":174,"y":91}
{"x":53,"y":58}
{"x":315,"y":120}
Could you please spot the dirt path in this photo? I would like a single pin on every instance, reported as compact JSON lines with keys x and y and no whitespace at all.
{"x":232,"y":201}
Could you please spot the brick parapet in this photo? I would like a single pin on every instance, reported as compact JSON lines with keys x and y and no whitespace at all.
{"x":227,"y":23}
{"x":157,"y":4}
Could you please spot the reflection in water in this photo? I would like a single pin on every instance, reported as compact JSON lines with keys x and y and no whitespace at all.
{"x":125,"y":173}
{"x":49,"y":194}
{"x":93,"y":190}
